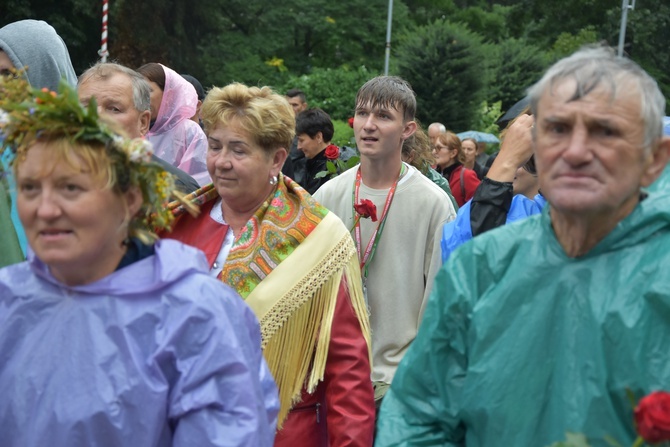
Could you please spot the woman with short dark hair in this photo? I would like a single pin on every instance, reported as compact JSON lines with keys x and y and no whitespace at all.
{"x":314,"y":130}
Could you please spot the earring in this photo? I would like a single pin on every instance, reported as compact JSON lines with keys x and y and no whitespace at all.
{"x":273,"y":180}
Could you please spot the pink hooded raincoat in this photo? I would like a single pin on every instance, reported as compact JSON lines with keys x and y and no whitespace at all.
{"x":176,"y":139}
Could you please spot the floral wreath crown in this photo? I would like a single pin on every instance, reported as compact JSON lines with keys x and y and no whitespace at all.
{"x":27,"y":114}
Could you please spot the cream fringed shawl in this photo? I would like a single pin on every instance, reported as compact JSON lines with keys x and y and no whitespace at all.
{"x":288,"y":263}
{"x":295,"y":305}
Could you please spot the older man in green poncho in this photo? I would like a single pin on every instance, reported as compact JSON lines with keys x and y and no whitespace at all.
{"x":538,"y":328}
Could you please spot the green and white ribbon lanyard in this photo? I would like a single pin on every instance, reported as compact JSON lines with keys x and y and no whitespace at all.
{"x":369,"y":253}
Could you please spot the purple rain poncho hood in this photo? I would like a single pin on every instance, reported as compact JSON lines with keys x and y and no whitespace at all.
{"x":176,"y":139}
{"x":157,"y":353}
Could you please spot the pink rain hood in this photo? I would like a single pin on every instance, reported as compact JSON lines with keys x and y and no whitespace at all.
{"x":176,"y":139}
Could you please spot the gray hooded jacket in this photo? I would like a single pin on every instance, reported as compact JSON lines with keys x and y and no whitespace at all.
{"x":36,"y":45}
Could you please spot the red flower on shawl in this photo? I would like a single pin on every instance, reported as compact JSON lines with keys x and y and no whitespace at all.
{"x":332,"y":152}
{"x":366,"y":209}
{"x":351,"y":122}
{"x":652,"y":416}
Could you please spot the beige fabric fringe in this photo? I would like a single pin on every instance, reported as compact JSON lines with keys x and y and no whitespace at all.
{"x":296,"y":331}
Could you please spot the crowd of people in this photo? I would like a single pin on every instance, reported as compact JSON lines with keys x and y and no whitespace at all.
{"x":179,"y":271}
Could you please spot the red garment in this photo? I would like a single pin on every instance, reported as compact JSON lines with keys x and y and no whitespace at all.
{"x":469,"y":185}
{"x":201,"y":232}
{"x":341,"y":411}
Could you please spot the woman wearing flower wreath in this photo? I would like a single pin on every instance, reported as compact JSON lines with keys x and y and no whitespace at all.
{"x":293,"y":262}
{"x":107,"y":339}
{"x":314,"y":130}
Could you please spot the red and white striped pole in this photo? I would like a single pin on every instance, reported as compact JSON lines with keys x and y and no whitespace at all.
{"x":103,"y":47}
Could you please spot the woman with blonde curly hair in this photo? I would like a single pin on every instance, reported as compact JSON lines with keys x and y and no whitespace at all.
{"x":293,"y":262}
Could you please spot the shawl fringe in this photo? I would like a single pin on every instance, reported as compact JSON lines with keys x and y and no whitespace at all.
{"x":296,"y":332}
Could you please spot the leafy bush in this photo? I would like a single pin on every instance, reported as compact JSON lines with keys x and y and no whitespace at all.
{"x":344,"y":135}
{"x":331,"y":89}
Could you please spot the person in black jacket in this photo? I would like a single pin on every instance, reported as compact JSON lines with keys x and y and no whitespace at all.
{"x":314,"y":130}
{"x":294,"y":166}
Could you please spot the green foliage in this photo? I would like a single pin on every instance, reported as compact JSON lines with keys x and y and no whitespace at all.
{"x":567,"y":43}
{"x":274,"y":43}
{"x":490,"y":23}
{"x":337,"y":167}
{"x":444,"y":62}
{"x":647,"y":40}
{"x":331,"y":89}
{"x":514,"y":65}
{"x":344,"y":135}
{"x":427,"y":11}
{"x":487,"y":115}
{"x":78,"y":22}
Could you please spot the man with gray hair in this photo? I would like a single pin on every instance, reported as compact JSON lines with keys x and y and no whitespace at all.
{"x":540,"y":328}
{"x":123,"y":97}
{"x":434,"y":131}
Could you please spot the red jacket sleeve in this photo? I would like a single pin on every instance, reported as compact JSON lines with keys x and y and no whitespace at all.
{"x":470,"y":184}
{"x":349,"y":397}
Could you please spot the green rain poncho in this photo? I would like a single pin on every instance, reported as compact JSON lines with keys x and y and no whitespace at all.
{"x":520,"y":343}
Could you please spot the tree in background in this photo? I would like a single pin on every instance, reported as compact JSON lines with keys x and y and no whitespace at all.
{"x":514,"y":66}
{"x":567,"y":43}
{"x":269,"y":42}
{"x":647,"y":39}
{"x":444,"y":62}
{"x":77,"y":22}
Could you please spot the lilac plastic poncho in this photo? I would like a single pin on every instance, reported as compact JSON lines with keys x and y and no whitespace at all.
{"x":155,"y":354}
{"x":176,"y":139}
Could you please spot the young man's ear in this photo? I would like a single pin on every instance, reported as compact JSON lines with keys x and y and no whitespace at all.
{"x":410,"y":128}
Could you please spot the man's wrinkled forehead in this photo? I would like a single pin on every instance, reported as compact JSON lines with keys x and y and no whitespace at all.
{"x":567,"y":90}
{"x":117,"y":85}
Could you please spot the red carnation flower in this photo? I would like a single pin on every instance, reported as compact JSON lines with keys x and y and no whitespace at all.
{"x":365,"y":208}
{"x":351,"y":122}
{"x":652,"y":417}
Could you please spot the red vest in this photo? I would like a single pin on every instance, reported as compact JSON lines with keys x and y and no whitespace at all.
{"x":201,"y":232}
